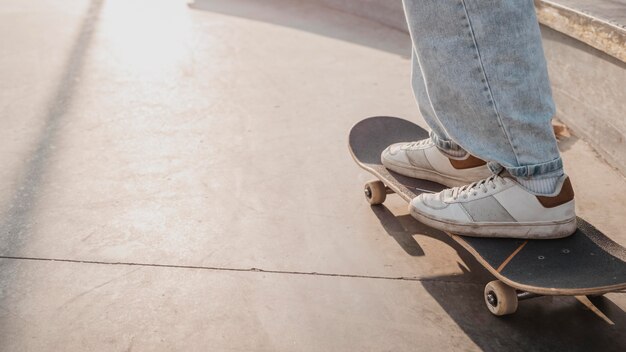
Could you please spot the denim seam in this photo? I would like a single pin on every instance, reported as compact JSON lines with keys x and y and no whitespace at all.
{"x":430,"y":101}
{"x":488,"y":86}
{"x":444,"y":145}
{"x":541,"y":169}
{"x":419,"y":64}
{"x":428,"y":93}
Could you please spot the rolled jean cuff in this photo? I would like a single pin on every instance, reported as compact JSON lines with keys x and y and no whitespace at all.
{"x":543,"y":170}
{"x":445,"y":146}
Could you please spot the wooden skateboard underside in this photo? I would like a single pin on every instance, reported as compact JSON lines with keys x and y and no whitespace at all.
{"x":585,"y":263}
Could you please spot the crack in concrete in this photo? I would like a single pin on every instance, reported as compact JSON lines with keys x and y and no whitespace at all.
{"x":216,"y":268}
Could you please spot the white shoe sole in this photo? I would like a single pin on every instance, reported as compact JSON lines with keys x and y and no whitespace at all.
{"x":527,"y":230}
{"x":426,"y":174}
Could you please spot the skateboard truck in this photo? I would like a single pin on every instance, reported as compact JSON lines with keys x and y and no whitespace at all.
{"x":522,"y":295}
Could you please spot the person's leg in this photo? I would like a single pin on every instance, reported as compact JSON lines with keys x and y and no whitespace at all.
{"x":486,"y":89}
{"x":436,"y":158}
{"x":485,"y":82}
{"x":438,"y":133}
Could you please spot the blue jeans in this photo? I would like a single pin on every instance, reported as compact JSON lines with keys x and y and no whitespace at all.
{"x":480,"y":79}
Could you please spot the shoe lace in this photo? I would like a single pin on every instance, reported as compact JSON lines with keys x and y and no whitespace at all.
{"x":474,"y":188}
{"x":416,"y":144}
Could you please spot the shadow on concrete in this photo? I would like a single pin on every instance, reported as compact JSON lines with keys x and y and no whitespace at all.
{"x":312,"y":17}
{"x":397,"y":228}
{"x":16,"y":221}
{"x":402,"y":228}
{"x":19,"y":218}
{"x":546,"y":323}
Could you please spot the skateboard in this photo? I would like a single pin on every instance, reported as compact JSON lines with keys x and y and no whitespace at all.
{"x":584,"y":264}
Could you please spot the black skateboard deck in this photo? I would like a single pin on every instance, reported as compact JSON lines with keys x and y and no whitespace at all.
{"x":586,"y":263}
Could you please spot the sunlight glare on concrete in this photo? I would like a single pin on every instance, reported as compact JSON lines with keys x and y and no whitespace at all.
{"x":147,"y":37}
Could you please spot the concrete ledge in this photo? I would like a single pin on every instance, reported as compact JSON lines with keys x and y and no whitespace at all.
{"x":597,"y":24}
{"x":589,"y":92}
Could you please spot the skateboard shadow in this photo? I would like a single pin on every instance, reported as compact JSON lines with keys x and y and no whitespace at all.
{"x":402,"y":229}
{"x":398,"y":228}
{"x":540,"y":324}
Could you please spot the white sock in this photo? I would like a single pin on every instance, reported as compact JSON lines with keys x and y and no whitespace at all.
{"x":454,"y":153}
{"x":541,"y":185}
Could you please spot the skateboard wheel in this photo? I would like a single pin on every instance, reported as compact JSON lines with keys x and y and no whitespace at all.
{"x":375,"y":192}
{"x":500,"y":298}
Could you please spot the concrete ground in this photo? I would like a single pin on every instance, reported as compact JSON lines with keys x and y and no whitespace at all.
{"x":176,"y":178}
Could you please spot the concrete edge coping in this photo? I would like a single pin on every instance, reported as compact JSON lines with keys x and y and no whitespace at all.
{"x":599,"y":33}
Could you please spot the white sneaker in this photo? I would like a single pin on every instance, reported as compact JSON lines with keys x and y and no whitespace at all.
{"x":498,"y":206}
{"x":422,"y":159}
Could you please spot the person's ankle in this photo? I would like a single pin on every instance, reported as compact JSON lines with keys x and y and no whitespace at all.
{"x":541,"y":185}
{"x":453,"y":153}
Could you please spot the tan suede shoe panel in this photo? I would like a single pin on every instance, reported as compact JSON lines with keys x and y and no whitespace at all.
{"x":468,"y":163}
{"x":566,"y":195}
